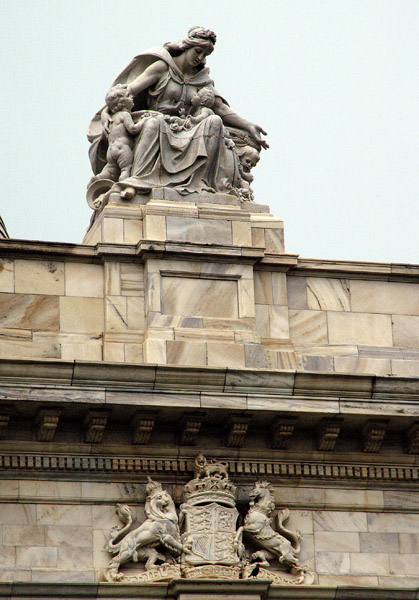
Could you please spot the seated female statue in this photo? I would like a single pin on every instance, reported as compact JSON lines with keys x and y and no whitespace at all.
{"x":193,"y":159}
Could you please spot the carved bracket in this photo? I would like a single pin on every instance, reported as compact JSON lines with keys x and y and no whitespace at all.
{"x":281,"y":430}
{"x":373,"y":435}
{"x":47,"y":422}
{"x":95,"y":423}
{"x":327,"y":433}
{"x":4,"y":421}
{"x":236,"y":429}
{"x":143,"y":426}
{"x":412,"y":439}
{"x":188,"y":428}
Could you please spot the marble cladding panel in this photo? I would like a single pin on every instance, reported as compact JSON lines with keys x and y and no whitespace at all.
{"x":222,"y":355}
{"x":114,"y":352}
{"x":11,"y":349}
{"x":297,"y":293}
{"x":133,"y":231}
{"x":112,"y":278}
{"x":7,"y":282}
{"x":83,"y":351}
{"x":384,"y":297}
{"x":263,"y":287}
{"x":155,"y":228}
{"x":116,"y":313}
{"x":113,"y":230}
{"x":308,"y":326}
{"x":359,"y":328}
{"x":135,"y":313}
{"x":279,"y":289}
{"x":327,"y":294}
{"x":186,"y":353}
{"x":375,"y":366}
{"x":274,"y":241}
{"x":405,"y":368}
{"x":241,"y":232}
{"x":81,"y":314}
{"x":27,"y":311}
{"x":39,"y":277}
{"x":132,"y":280}
{"x":405,"y":331}
{"x":258,"y":237}
{"x":188,"y":296}
{"x":84,"y":280}
{"x":200,"y":231}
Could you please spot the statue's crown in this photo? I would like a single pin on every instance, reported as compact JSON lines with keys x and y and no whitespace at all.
{"x":210,"y":489}
{"x":152,"y":487}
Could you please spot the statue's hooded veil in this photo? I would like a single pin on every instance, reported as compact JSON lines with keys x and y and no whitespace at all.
{"x":99,"y":145}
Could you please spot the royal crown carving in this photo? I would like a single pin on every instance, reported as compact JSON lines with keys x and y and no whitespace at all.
{"x":205,"y":539}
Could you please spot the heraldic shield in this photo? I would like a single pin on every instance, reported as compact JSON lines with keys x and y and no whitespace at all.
{"x":210,"y":532}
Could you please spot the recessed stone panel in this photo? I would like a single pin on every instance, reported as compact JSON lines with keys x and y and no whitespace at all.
{"x":199,"y":231}
{"x":194,"y":297}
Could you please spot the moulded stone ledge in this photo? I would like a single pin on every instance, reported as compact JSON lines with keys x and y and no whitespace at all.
{"x":149,"y":376}
{"x":205,"y":589}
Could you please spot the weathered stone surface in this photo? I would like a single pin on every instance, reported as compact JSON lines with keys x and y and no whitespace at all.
{"x":81,"y":314}
{"x":328,"y":294}
{"x":39,"y":277}
{"x":7,"y":275}
{"x":405,"y":331}
{"x":384,"y":297}
{"x":199,"y":297}
{"x":308,"y":326}
{"x":358,"y":328}
{"x":27,"y":311}
{"x":83,"y":280}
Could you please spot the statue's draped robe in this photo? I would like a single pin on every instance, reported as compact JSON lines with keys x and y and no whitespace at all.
{"x":192,"y":160}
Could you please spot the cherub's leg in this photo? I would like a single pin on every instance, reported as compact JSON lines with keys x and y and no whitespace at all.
{"x":109,"y":171}
{"x":125,"y":159}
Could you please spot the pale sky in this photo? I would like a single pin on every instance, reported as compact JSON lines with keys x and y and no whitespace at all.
{"x":334,"y":82}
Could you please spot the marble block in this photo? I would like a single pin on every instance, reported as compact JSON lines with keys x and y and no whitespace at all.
{"x":192,"y":297}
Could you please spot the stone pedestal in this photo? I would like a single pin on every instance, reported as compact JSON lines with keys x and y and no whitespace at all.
{"x":198,"y":254}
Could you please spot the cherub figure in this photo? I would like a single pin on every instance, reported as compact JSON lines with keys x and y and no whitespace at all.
{"x":248,"y":158}
{"x":122,"y":128}
{"x":202,"y":102}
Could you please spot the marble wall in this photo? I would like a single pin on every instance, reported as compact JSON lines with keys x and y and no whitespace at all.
{"x":206,"y":284}
{"x":56,"y":531}
{"x":354,"y":325}
{"x":207,"y":312}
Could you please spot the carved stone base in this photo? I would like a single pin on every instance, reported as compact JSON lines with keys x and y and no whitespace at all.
{"x":301,"y":576}
{"x":212,"y":572}
{"x":156,"y":574}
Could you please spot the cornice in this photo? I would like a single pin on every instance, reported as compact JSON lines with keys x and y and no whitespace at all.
{"x":184,"y":378}
{"x":291,"y":263}
{"x":200,"y":589}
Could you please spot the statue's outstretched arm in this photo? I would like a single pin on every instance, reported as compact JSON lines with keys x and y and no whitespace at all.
{"x":230,"y":117}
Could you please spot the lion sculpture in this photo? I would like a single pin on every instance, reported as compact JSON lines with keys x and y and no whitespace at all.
{"x":161,"y":528}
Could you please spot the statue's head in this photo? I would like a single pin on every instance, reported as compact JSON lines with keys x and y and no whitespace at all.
{"x":205,"y":97}
{"x":248,"y":157}
{"x":198,"y":37}
{"x":119,"y":98}
{"x":159,"y":504}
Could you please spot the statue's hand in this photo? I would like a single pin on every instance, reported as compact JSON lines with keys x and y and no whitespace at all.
{"x":105,"y":117}
{"x":255,"y":131}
